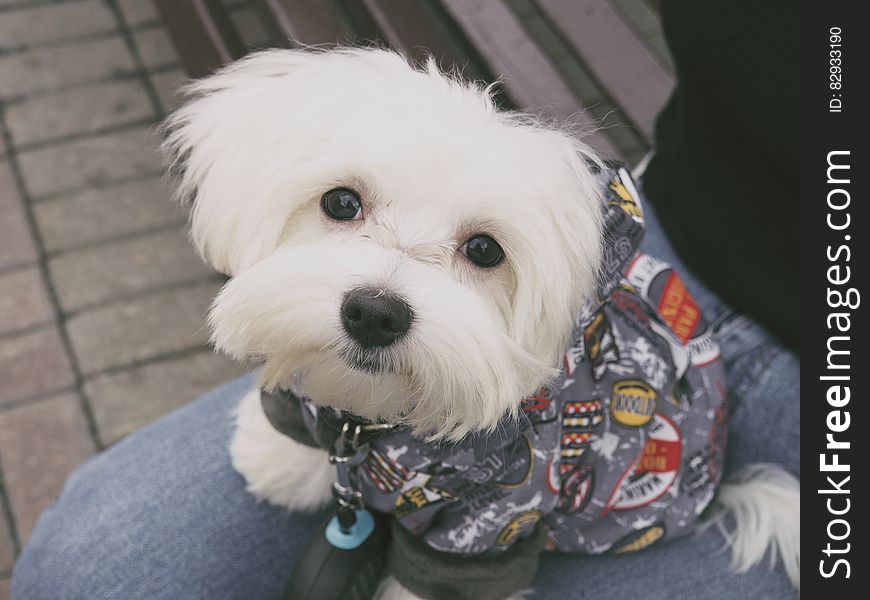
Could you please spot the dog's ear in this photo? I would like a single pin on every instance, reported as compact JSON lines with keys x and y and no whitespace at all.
{"x":225,"y":156}
{"x":217,"y":151}
{"x":559,"y":272}
{"x":248,"y":142}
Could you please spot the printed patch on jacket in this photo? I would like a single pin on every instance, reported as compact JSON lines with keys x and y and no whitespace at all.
{"x":653,"y":472}
{"x":579,"y":419}
{"x":573,"y":357}
{"x":625,"y":195}
{"x":639,"y":540}
{"x":678,"y":308}
{"x":633,"y":403}
{"x":703,"y":349}
{"x":660,"y":284}
{"x":417,"y":495}
{"x":387,"y":475}
{"x":522,"y":522}
{"x":703,"y":469}
{"x":584,"y":414}
{"x":600,"y":345}
{"x":627,"y":300}
{"x":538,"y":402}
{"x":508,"y":469}
{"x":540,"y":409}
{"x":521,"y":463}
{"x":577,"y":488}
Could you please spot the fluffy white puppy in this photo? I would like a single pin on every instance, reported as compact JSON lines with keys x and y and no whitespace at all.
{"x":398,"y":248}
{"x":431,"y":165}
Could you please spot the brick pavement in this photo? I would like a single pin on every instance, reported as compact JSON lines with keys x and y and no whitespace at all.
{"x":101,"y":296}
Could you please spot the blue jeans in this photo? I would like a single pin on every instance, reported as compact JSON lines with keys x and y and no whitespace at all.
{"x":162,"y":515}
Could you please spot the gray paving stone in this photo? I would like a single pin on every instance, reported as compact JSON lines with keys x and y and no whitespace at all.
{"x":103,"y":213}
{"x":40,"y":443}
{"x":78,"y":110}
{"x":125,"y":268}
{"x":16,"y":242}
{"x":31,"y":26}
{"x":33,"y":363}
{"x":125,"y":401}
{"x":167,"y":84}
{"x":43,"y":69}
{"x":23,"y":300}
{"x":126,"y":332}
{"x":138,"y":11}
{"x":155,"y":47}
{"x":91,"y":161}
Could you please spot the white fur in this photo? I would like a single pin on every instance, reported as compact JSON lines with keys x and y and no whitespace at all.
{"x":276,"y":468}
{"x":254,"y":150}
{"x":765,"y":503}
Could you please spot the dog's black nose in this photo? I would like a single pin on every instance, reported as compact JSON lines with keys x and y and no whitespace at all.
{"x":375,"y":318}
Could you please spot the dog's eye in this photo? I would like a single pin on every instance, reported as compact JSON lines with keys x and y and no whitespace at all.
{"x":483,"y":251}
{"x":342,"y":204}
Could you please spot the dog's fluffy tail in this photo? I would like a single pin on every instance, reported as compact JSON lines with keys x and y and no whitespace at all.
{"x":764,"y":505}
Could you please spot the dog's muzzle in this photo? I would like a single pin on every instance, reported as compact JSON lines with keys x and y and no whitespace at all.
{"x":374,"y":318}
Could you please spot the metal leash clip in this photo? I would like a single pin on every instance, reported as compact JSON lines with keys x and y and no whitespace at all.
{"x":347,"y":454}
{"x":347,"y":558}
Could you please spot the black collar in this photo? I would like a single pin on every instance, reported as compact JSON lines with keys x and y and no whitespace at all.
{"x":285,"y":411}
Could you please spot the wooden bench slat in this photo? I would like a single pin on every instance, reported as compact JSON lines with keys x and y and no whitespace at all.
{"x":424,"y":29}
{"x":407,"y":28}
{"x":528,"y":75}
{"x":620,"y":61}
{"x":306,"y":21}
{"x":314,"y":22}
{"x":203,"y":34}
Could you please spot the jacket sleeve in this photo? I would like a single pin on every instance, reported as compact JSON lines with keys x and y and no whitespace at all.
{"x":485,"y":538}
{"x":435,"y":575}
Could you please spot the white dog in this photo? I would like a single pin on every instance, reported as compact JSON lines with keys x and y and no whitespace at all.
{"x":403,"y":251}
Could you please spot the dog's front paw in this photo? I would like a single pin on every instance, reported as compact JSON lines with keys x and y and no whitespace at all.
{"x":276,"y":467}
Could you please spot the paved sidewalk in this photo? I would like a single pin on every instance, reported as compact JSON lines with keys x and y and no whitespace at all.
{"x":101,"y":297}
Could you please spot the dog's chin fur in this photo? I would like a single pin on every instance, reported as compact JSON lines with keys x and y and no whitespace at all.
{"x":436,"y":379}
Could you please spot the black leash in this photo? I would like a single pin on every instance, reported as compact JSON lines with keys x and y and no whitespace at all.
{"x":346,"y":557}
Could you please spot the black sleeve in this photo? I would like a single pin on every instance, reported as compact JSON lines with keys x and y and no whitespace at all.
{"x":445,"y":576}
{"x":725,"y":177}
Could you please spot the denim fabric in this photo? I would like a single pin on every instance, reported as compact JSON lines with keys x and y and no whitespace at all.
{"x":163,"y":516}
{"x":763,"y":377}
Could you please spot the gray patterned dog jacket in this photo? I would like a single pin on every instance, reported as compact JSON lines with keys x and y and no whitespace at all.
{"x":621,"y":451}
